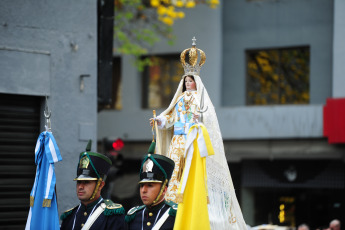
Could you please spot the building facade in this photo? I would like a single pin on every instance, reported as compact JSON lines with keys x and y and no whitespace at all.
{"x":46,"y":49}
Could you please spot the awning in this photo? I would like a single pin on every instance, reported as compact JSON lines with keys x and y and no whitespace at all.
{"x":294,"y":174}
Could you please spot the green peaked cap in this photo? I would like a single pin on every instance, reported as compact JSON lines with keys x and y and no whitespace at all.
{"x":152,"y":147}
{"x":92,"y":165}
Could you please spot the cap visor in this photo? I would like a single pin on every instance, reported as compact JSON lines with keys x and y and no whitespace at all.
{"x":149,"y":181}
{"x":83,"y":177}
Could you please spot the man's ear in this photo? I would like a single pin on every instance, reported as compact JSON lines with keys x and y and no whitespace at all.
{"x":101,"y":185}
{"x":165,"y":190}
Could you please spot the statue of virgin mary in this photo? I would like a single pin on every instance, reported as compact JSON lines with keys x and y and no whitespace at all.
{"x":187,"y":108}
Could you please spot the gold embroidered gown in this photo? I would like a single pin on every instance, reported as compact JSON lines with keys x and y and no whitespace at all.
{"x":181,"y":117}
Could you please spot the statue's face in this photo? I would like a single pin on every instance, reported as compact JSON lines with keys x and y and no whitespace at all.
{"x":190,"y":83}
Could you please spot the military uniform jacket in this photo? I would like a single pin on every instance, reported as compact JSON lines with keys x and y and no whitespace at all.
{"x":143,"y":217}
{"x":111,"y":218}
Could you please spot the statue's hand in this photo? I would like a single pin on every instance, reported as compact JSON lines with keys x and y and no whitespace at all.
{"x":153,"y":119}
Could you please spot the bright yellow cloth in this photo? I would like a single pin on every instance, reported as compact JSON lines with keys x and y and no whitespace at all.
{"x":192,"y":212}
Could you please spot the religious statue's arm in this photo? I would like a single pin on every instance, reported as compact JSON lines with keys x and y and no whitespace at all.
{"x":165,"y":121}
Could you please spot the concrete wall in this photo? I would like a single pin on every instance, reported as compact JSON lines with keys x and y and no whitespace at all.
{"x":338,"y":50}
{"x":45,"y":46}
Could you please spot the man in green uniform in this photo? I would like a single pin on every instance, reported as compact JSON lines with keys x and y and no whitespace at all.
{"x":156,"y":213}
{"x":93,"y":212}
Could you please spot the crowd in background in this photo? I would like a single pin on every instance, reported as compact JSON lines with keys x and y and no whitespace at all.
{"x":333,"y":225}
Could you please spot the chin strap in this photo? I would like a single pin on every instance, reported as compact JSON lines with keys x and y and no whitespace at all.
{"x":99,"y":181}
{"x":158,"y":198}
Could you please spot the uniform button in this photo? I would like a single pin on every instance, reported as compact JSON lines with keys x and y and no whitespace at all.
{"x":150,"y":214}
{"x":82,"y":225}
{"x":85,"y":213}
{"x":148,"y":223}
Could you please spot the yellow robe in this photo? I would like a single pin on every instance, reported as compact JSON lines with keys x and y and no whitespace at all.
{"x":192,"y":212}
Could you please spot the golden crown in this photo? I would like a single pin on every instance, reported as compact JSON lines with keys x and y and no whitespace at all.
{"x":193,"y":67}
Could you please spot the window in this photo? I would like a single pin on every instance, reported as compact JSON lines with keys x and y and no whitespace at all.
{"x":160,"y":81}
{"x":278,"y":76}
{"x":115,"y":88}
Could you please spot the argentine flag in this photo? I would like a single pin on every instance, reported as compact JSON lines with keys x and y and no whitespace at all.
{"x":43,"y":213}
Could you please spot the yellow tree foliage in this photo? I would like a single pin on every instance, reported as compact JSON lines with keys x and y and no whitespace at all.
{"x":139,"y":24}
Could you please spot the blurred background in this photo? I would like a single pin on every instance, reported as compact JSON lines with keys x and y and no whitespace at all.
{"x":274,"y":72}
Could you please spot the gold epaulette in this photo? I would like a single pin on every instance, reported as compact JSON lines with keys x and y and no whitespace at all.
{"x":67,"y":213}
{"x":113,"y":208}
{"x":173,"y":207}
{"x":131,"y":213}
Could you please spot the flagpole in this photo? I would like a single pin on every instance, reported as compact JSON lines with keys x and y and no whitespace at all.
{"x":157,"y":135}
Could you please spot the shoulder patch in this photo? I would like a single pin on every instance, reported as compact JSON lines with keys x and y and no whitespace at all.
{"x":135,"y":209}
{"x":113,"y":208}
{"x":173,"y":208}
{"x":171,"y":204}
{"x":111,"y":205}
{"x":132,"y":212}
{"x":67,"y":213}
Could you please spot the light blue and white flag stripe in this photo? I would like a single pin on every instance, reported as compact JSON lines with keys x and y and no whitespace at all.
{"x":41,"y":215}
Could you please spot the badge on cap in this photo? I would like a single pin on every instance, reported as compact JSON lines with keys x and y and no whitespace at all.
{"x":148,"y":165}
{"x":84,"y":162}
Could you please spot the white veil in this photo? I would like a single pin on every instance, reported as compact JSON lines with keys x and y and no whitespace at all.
{"x":224,"y":210}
